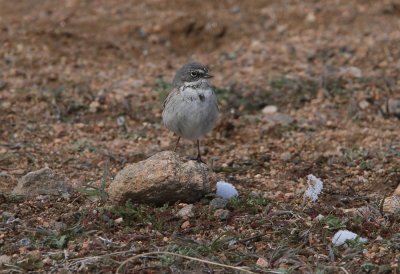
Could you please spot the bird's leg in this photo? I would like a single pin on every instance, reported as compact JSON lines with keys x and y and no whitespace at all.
{"x":177,"y":142}
{"x":198,"y":153}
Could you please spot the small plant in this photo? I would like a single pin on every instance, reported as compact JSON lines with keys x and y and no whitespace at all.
{"x":368,"y":267}
{"x":57,"y":241}
{"x":97,"y":192}
{"x":252,"y":203}
{"x":60,"y":239}
{"x":333,"y":223}
{"x":356,"y":243}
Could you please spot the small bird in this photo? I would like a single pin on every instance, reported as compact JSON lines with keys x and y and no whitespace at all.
{"x":191,"y":108}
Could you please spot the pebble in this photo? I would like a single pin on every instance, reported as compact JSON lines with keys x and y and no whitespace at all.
{"x":118,"y":220}
{"x":286,"y":156}
{"x":269,"y":109}
{"x":185,"y":224}
{"x":7,"y":215}
{"x":186,"y":212}
{"x":218,"y":203}
{"x":4,"y":259}
{"x":24,"y":242}
{"x":222,"y":214}
{"x":3,"y":84}
{"x":363,"y":104}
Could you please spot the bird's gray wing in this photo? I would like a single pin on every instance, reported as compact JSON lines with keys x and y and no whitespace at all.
{"x":171,"y":94}
{"x":216,"y":101}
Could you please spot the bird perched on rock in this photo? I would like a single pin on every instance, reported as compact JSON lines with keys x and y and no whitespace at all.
{"x":191,"y":109}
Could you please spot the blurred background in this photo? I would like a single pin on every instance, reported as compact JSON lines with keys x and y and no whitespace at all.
{"x":304,"y":86}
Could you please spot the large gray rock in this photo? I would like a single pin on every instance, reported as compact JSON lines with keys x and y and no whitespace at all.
{"x":162,"y":178}
{"x":42,"y":182}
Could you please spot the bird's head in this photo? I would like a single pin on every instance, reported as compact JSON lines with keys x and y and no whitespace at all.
{"x":191,"y":73}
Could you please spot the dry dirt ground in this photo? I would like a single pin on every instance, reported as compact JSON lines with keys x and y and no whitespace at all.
{"x":81,"y":88}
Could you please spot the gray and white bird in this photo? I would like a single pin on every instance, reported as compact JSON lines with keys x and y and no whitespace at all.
{"x":191,"y":109}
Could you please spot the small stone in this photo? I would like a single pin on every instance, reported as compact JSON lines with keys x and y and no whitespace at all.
{"x":351,"y":71}
{"x":310,"y":18}
{"x":185,"y":224}
{"x":391,"y":204}
{"x":222,"y":214}
{"x":186,"y":212}
{"x":235,"y":9}
{"x":363,"y":104}
{"x":393,"y":106}
{"x":278,"y":118}
{"x":24,"y":242}
{"x":289,"y":195}
{"x":286,"y":156}
{"x":42,"y":182}
{"x":262,"y":262}
{"x":12,"y":220}
{"x":118,"y":220}
{"x":218,"y":203}
{"x":269,"y":109}
{"x":3,"y":85}
{"x":4,"y":259}
{"x":94,"y":106}
{"x":256,"y":46}
{"x":59,"y":226}
{"x":7,"y":215}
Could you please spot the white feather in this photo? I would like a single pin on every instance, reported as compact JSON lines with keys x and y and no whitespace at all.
{"x":226,"y":190}
{"x":342,"y":236}
{"x":314,"y":189}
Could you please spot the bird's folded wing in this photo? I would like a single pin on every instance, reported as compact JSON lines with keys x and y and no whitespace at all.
{"x":174,"y":91}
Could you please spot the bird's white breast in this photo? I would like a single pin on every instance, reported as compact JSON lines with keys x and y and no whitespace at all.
{"x":192,"y":112}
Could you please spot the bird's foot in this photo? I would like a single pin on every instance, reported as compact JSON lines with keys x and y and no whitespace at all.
{"x":198,"y":159}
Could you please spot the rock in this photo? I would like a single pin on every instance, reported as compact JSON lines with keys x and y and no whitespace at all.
{"x":185,"y":212}
{"x":222,"y":214}
{"x":42,"y":182}
{"x":3,"y":84}
{"x":269,"y":109}
{"x":278,"y":118}
{"x":351,"y":72}
{"x":286,"y":156}
{"x":94,"y":106}
{"x":185,"y":224}
{"x":218,"y":203}
{"x":59,"y":226}
{"x":391,"y":204}
{"x":262,"y":262}
{"x":118,"y":220}
{"x":4,"y":259}
{"x":394,"y":107}
{"x":12,"y":220}
{"x":310,"y":18}
{"x":162,"y":178}
{"x":6,"y":215}
{"x":363,"y":104}
{"x":24,"y":242}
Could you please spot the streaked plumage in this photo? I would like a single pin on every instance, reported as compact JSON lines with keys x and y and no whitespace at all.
{"x":191,"y":109}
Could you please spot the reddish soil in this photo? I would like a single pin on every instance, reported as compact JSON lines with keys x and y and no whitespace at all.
{"x":82,"y":85}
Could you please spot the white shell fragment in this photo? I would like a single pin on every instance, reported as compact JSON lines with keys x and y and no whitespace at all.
{"x":342,"y":236}
{"x":314,"y":189}
{"x":226,"y":190}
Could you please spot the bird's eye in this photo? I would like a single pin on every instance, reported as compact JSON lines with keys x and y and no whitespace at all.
{"x":194,"y":73}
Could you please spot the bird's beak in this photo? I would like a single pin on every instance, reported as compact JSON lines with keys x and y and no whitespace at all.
{"x":208,"y":76}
